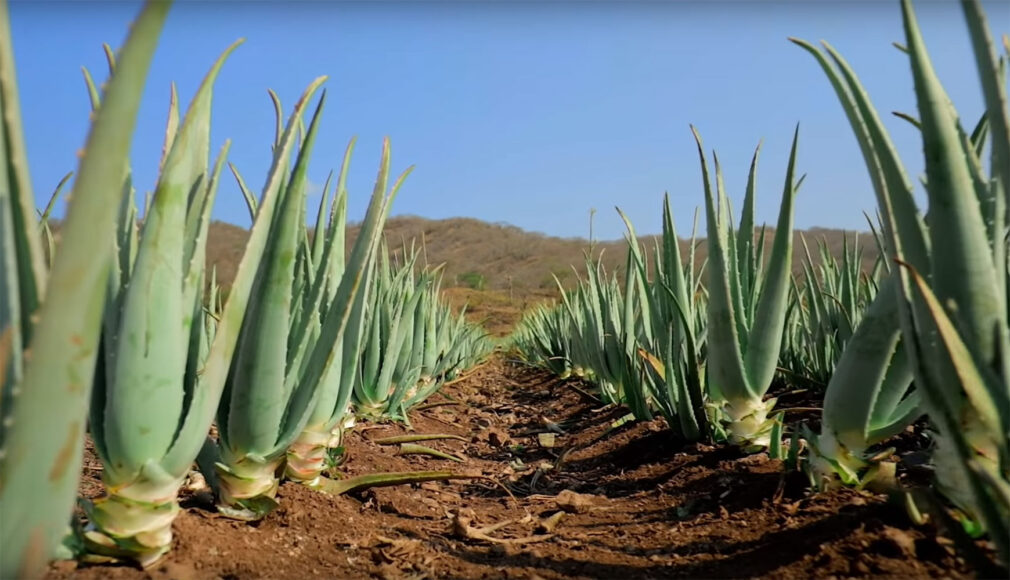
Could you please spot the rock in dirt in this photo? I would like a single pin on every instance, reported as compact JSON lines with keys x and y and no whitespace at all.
{"x":901,"y":540}
{"x":495,"y":437}
{"x":575,"y":503}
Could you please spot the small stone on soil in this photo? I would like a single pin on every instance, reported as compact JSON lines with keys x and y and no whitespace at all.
{"x":575,"y":503}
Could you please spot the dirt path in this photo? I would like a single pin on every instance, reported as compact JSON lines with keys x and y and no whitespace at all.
{"x":634,"y":503}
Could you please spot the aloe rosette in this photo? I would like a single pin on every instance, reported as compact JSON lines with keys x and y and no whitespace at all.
{"x":288,"y":343}
{"x":387,"y":368}
{"x":674,"y":327}
{"x":869,"y":398}
{"x":309,"y":454}
{"x":952,"y":282}
{"x":747,"y":305}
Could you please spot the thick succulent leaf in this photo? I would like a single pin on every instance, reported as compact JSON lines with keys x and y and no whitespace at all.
{"x":199,"y":342}
{"x":897,"y":190}
{"x":279,"y":127}
{"x":894,"y":192}
{"x":741,"y":315}
{"x":44,"y":228}
{"x":197,"y":229}
{"x":994,"y":89}
{"x":979,"y":134}
{"x":962,"y":397}
{"x":343,"y":369}
{"x":307,"y":324}
{"x":725,"y":366}
{"x":950,"y":362}
{"x":962,"y":268}
{"x":262,"y":387}
{"x":671,"y":256}
{"x":369,"y":370}
{"x":24,"y":247}
{"x":634,"y":288}
{"x":691,"y":403}
{"x":219,"y":360}
{"x":633,"y":292}
{"x":11,"y":344}
{"x":125,"y":244}
{"x":860,"y":375}
{"x":44,"y":217}
{"x":171,"y":128}
{"x":766,"y":332}
{"x":41,"y":460}
{"x":746,"y":258}
{"x":992,"y":74}
{"x":318,"y":233}
{"x":907,"y":411}
{"x":338,"y":226}
{"x":150,"y":357}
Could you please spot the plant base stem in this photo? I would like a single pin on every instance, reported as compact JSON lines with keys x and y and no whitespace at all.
{"x":747,"y":424}
{"x":133,"y":522}
{"x":248,"y":487}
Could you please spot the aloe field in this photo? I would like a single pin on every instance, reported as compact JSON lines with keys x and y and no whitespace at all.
{"x":738,"y":403}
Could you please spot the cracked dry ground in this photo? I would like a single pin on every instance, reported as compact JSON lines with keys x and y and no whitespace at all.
{"x":634,"y":504}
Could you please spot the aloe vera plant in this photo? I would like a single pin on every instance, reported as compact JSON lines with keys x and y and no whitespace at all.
{"x":671,"y":346}
{"x":543,"y":338}
{"x":386,"y":366}
{"x":450,"y":342}
{"x":957,"y":318}
{"x":868,"y":399}
{"x":952,"y":285}
{"x":44,"y":227}
{"x":566,"y":338}
{"x":413,"y":342}
{"x":153,"y":403}
{"x":57,"y":316}
{"x":857,"y":350}
{"x":748,"y":302}
{"x":461,"y":345}
{"x":308,"y":454}
{"x":639,"y":341}
{"x":607,"y":322}
{"x":274,"y":381}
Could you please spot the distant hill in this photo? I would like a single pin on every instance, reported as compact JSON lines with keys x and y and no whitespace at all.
{"x":499,"y":269}
{"x":493,"y":256}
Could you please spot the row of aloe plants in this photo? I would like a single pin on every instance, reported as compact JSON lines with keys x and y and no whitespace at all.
{"x":414,"y":342}
{"x":826,"y":305}
{"x":126,"y":337}
{"x":659,"y":340}
{"x":922,"y":334}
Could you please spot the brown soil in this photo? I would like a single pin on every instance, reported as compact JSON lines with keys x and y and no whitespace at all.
{"x":636,"y":505}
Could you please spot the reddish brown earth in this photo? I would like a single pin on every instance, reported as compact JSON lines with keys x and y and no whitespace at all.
{"x":635,"y":505}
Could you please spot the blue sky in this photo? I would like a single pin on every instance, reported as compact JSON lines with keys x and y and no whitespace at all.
{"x":519,"y":112}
